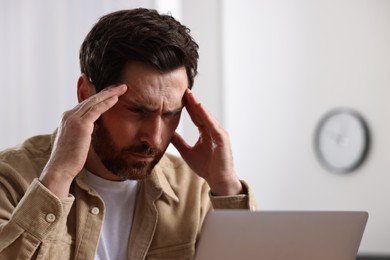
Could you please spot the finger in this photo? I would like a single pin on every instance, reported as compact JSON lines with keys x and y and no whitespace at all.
{"x":94,"y":106}
{"x":198,"y":113}
{"x":102,"y":96}
{"x":191,"y":105}
{"x":210,"y":129}
{"x":97,"y":110}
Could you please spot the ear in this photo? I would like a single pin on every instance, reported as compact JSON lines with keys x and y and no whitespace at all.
{"x":85,"y":88}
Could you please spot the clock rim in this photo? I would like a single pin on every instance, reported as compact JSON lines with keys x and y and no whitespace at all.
{"x":366,"y":140}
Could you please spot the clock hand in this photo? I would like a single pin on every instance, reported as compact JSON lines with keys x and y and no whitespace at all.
{"x":338,"y":138}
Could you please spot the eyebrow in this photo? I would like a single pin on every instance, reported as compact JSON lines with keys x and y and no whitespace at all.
{"x":148,"y":109}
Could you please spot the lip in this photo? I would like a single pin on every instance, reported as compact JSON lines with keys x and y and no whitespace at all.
{"x":142,"y":157}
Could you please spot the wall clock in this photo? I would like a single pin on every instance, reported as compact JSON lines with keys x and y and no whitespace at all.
{"x":341,"y":140}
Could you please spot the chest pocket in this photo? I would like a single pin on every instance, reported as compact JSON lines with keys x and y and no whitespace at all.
{"x":57,"y":249}
{"x":182,"y":252}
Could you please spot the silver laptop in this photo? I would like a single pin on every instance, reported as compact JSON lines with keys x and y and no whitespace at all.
{"x":281,"y":235}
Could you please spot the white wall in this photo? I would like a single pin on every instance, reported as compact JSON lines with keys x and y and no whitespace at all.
{"x":286,"y":63}
{"x":282,"y":65}
{"x":39,"y":67}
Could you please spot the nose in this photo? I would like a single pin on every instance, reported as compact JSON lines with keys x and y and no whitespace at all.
{"x":151,"y":131}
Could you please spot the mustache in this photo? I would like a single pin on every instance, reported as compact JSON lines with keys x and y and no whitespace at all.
{"x":143,"y":149}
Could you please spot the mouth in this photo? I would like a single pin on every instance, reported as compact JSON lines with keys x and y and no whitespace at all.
{"x":142,"y":157}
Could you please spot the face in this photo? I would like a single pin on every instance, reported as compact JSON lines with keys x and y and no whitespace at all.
{"x":132,"y":136}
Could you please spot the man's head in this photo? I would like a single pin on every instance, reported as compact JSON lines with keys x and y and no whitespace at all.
{"x":156,"y":58}
{"x":136,"y":35}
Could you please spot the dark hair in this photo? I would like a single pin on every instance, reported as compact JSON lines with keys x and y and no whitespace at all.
{"x":136,"y":35}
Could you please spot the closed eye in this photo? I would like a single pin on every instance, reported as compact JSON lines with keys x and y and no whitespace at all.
{"x":139,"y":110}
{"x":145,"y":111}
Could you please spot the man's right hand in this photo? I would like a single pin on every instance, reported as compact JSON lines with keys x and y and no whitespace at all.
{"x":73,"y":140}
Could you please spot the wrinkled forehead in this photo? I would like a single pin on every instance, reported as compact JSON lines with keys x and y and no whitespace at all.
{"x":154,"y":88}
{"x":153,"y":99}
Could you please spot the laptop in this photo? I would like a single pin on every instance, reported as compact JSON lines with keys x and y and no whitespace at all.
{"x":281,"y":235}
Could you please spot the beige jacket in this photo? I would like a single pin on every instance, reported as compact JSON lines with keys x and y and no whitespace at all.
{"x":35,"y":224}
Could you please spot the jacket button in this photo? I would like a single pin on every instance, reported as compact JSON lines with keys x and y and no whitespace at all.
{"x":50,"y":217}
{"x":95,"y":210}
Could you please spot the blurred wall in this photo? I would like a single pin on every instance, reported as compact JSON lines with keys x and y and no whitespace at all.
{"x":39,"y":65}
{"x":268,"y":70}
{"x":287,"y":63}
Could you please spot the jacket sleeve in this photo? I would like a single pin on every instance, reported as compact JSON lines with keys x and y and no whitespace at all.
{"x":26,"y":222}
{"x":241,"y":201}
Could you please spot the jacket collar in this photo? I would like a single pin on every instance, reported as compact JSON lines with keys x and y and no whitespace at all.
{"x":159,"y":177}
{"x":157,"y":180}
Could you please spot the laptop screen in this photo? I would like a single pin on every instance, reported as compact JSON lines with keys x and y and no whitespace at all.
{"x":295,"y":235}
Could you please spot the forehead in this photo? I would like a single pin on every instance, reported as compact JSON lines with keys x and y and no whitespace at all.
{"x":151,"y":87}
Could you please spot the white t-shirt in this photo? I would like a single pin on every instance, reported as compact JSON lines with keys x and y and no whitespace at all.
{"x":119,"y":200}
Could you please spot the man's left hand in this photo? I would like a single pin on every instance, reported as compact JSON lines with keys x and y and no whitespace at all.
{"x":211,"y":156}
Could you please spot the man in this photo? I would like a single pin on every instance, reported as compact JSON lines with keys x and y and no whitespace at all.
{"x":102,"y":187}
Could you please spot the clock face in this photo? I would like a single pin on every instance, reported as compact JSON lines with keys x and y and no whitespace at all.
{"x":341,"y":140}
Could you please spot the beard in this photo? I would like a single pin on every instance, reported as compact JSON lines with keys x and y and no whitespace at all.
{"x":118,"y":161}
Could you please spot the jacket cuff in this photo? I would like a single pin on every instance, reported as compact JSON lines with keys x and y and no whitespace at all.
{"x":240,"y":201}
{"x":40,"y":211}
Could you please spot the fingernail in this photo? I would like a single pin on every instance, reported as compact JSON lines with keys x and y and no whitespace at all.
{"x":122,"y":86}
